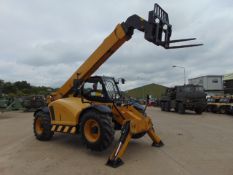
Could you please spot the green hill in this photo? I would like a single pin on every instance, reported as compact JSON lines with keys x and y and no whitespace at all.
{"x":155,"y":90}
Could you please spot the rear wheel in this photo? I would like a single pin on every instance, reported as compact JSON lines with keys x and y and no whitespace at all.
{"x":222,"y":110}
{"x":176,"y":108}
{"x":42,"y":126}
{"x":97,"y":130}
{"x":167,"y":106}
{"x":198,"y":110}
{"x":162,"y":106}
{"x":209,"y":109}
{"x":181,"y":109}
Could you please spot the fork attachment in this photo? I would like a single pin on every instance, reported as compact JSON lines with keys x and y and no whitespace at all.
{"x":162,"y":30}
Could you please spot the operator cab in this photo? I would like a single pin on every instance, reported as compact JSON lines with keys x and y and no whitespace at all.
{"x":101,"y":89}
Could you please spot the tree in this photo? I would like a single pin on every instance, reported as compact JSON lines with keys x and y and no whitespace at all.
{"x":22,"y":85}
{"x":21,"y":88}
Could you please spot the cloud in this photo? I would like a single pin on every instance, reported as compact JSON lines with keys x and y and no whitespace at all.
{"x":44,"y":42}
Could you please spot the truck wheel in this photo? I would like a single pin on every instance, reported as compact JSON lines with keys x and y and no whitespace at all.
{"x":162,"y":106}
{"x":198,"y":111}
{"x":97,"y":130}
{"x":181,"y":109}
{"x":42,"y":126}
{"x":167,"y":107}
{"x":209,"y":109}
{"x":222,"y":110}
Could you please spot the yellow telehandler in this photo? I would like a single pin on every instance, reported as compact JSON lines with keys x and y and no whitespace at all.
{"x":93,"y":106}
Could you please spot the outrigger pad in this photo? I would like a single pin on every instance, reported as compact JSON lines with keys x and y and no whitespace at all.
{"x":115,"y":163}
{"x":160,"y":144}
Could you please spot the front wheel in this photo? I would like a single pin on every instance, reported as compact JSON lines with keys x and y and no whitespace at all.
{"x":97,"y":130}
{"x":162,"y":106}
{"x":222,"y":110}
{"x":42,"y":126}
{"x":198,"y":111}
{"x":181,"y":109}
{"x":167,"y":107}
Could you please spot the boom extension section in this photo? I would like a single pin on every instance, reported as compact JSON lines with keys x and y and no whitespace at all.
{"x":156,"y":30}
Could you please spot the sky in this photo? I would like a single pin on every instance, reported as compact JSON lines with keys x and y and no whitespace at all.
{"x":45,"y":41}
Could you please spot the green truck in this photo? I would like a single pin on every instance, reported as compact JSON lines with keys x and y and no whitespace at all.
{"x":33,"y":102}
{"x":186,"y":97}
{"x":10,"y":104}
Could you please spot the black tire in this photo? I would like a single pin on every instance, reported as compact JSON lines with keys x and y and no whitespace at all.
{"x":45,"y":122}
{"x":198,"y":110}
{"x":106,"y":130}
{"x":209,"y":109}
{"x":222,"y":110}
{"x":176,"y":107}
{"x":181,"y":109}
{"x":162,"y":106}
{"x":167,"y":106}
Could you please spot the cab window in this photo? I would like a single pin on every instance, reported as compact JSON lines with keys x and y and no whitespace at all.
{"x":93,"y":90}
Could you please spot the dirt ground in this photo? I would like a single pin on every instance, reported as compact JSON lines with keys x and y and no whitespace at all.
{"x":194,"y":144}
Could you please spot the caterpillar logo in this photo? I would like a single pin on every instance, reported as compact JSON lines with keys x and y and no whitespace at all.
{"x":65,"y":129}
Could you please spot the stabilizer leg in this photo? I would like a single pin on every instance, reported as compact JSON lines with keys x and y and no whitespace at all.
{"x":157,"y":142}
{"x":115,"y":158}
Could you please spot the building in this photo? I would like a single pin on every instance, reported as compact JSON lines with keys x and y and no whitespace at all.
{"x":154,"y":90}
{"x":228,"y":83}
{"x":213,"y":84}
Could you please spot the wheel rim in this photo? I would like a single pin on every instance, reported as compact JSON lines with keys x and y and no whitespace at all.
{"x":38,"y":126}
{"x":92,"y":130}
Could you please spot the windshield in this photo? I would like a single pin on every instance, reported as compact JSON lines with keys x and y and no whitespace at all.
{"x":111,"y":88}
{"x":199,"y":89}
{"x":193,"y":88}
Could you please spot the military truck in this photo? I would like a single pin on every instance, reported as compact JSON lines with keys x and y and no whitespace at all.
{"x":33,"y":102}
{"x":10,"y":104}
{"x":5,"y":102}
{"x":180,"y":98}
